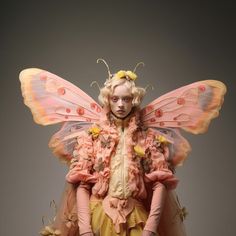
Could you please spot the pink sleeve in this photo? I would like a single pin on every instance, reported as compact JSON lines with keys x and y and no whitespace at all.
{"x":82,"y":163}
{"x":83,"y":211}
{"x":157,"y":205}
{"x":79,"y":171}
{"x":159,"y":167}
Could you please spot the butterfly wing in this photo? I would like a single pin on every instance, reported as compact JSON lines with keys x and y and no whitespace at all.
{"x":63,"y":142}
{"x":191,"y":107}
{"x":179,"y":147}
{"x":51,"y":100}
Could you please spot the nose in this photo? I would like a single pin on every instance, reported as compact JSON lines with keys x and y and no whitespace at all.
{"x":120,"y":103}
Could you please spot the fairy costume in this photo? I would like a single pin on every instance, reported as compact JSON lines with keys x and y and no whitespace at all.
{"x":121,"y":176}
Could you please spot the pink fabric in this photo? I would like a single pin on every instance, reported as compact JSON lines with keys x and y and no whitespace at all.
{"x":92,"y":165}
{"x":94,"y":154}
{"x":157,"y":205}
{"x":117,"y":210}
{"x":101,"y":186}
{"x":77,"y":173}
{"x":164,"y":176}
{"x":83,"y":211}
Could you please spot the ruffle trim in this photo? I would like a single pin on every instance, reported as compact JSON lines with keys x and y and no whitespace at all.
{"x":102,"y":224}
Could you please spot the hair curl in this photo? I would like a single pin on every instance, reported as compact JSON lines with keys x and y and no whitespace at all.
{"x":109,"y":86}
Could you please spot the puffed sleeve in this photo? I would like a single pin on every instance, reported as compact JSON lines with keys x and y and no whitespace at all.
{"x":157,"y":148}
{"x":159,"y":175}
{"x":82,"y":163}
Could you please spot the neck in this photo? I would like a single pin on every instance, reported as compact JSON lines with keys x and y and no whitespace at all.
{"x":122,"y":122}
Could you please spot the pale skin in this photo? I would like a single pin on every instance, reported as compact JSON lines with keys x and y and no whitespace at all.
{"x":120,"y":103}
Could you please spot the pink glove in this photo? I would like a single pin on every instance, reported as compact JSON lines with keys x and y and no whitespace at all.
{"x":157,"y":205}
{"x":83,"y":211}
{"x":148,"y":233}
{"x":87,"y":234}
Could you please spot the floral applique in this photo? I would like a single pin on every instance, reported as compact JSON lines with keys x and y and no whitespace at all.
{"x":144,"y":155}
{"x":70,"y":220}
{"x":94,"y":131}
{"x":99,"y":166}
{"x":139,"y":151}
{"x":182,"y":213}
{"x":50,"y":231}
{"x":161,"y":139}
{"x":106,"y":143}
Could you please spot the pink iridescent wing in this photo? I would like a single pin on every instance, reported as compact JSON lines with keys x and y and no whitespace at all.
{"x":179,"y":147}
{"x":190,"y":108}
{"x":51,"y":100}
{"x":63,"y":142}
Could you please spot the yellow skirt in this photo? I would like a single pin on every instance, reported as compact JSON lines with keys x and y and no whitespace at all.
{"x":102,"y":225}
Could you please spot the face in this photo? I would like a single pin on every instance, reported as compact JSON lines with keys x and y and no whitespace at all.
{"x":121,"y":101}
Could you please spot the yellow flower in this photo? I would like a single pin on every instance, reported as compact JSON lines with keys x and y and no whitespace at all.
{"x":95,"y":131}
{"x":121,"y":74}
{"x":161,"y":139}
{"x":49,"y":231}
{"x":139,"y":151}
{"x":126,"y":74}
{"x":131,"y":75}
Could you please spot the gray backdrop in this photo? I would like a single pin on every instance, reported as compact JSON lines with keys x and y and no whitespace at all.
{"x":180,"y":42}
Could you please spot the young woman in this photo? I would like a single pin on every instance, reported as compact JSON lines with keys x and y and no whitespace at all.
{"x":122,"y":159}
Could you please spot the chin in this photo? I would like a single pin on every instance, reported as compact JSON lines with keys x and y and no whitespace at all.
{"x":120,"y":117}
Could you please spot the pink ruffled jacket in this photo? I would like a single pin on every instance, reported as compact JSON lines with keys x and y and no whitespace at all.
{"x":96,"y":147}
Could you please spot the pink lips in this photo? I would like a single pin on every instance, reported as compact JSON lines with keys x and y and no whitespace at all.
{"x":120,"y":111}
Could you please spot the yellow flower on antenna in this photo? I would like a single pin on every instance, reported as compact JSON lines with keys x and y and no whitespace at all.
{"x":131,"y":75}
{"x":122,"y":74}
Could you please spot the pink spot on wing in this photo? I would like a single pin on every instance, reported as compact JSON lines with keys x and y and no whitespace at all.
{"x":180,"y":101}
{"x":162,"y":123}
{"x":61,"y":91}
{"x":88,"y":119}
{"x":98,"y":109}
{"x":68,"y":110}
{"x":80,"y":111}
{"x":66,"y":117}
{"x":158,"y":113}
{"x":202,"y":88}
{"x":43,"y":77}
{"x":93,"y":105}
{"x":149,"y":108}
{"x":152,"y":120}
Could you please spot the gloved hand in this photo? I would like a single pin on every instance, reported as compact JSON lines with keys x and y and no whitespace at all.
{"x":83,"y":211}
{"x":87,"y":234}
{"x":148,"y":233}
{"x":157,"y":205}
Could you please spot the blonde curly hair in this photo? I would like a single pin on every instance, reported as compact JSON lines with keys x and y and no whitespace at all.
{"x":111,"y":83}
